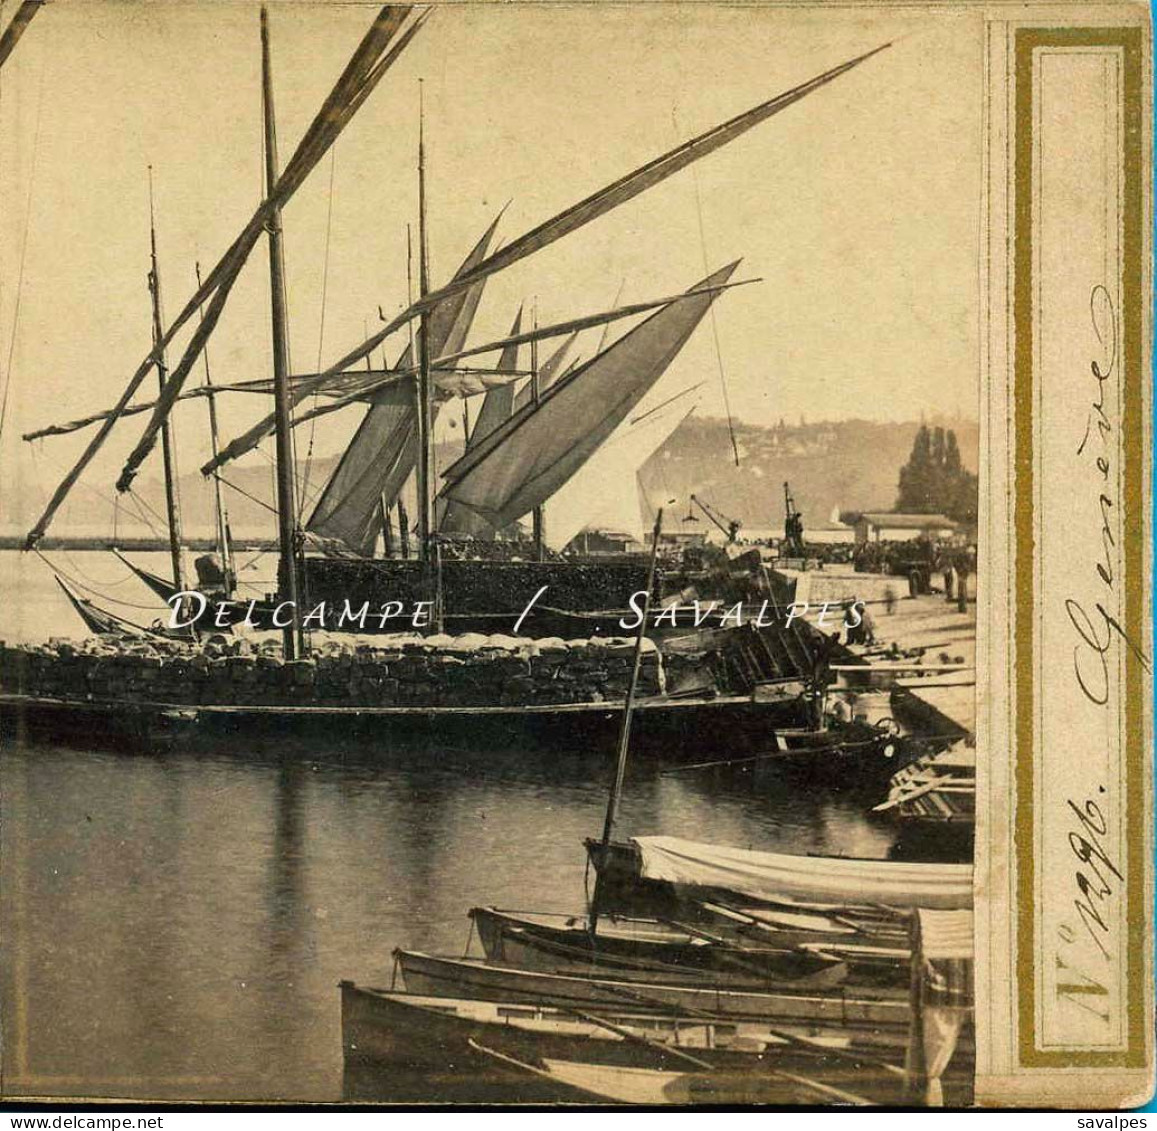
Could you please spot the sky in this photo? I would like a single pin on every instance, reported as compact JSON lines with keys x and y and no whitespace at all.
{"x":858,"y":208}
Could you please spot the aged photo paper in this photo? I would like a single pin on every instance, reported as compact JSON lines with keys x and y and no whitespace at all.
{"x":576,"y":553}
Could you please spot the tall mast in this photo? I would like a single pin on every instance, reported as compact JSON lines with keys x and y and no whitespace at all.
{"x":223,"y":547}
{"x":424,"y":439}
{"x":431,"y":555}
{"x":293,"y":638}
{"x":168,"y":443}
{"x":534,"y":391}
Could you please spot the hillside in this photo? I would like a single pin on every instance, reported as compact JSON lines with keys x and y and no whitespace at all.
{"x":850,"y":465}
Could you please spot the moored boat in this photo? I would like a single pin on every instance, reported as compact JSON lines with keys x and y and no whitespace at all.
{"x":665,"y":870}
{"x":418,"y":1032}
{"x":873,"y":1014}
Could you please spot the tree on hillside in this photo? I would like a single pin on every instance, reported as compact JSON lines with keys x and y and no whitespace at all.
{"x":934,"y":481}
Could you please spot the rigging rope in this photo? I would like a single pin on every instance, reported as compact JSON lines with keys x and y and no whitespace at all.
{"x":304,"y":489}
{"x":714,"y":321}
{"x":23,"y":249}
{"x":250,"y":497}
{"x":88,"y":588}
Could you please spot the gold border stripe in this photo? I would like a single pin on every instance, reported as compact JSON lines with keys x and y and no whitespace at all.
{"x":1132,"y":441}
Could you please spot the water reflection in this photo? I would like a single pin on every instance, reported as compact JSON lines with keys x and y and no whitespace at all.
{"x":184,"y":921}
{"x":178,"y":924}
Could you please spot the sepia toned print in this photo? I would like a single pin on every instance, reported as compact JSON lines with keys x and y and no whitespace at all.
{"x":575,"y":554}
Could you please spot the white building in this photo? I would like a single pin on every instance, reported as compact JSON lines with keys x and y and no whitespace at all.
{"x":887,"y":526}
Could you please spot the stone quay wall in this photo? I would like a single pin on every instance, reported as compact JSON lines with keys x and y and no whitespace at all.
{"x":412,"y":671}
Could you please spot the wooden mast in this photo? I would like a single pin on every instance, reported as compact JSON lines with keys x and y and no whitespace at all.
{"x":223,"y":546}
{"x":292,"y":638}
{"x":424,"y":421}
{"x":429,"y":553}
{"x":625,"y":731}
{"x":534,"y":392}
{"x":168,"y":442}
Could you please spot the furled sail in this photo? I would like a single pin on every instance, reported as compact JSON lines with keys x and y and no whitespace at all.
{"x":523,"y":462}
{"x":379,"y":49}
{"x":384,"y":450}
{"x":604,"y":493}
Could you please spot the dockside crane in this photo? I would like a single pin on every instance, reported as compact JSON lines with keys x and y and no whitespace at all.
{"x":729,"y":527}
{"x":792,"y":525}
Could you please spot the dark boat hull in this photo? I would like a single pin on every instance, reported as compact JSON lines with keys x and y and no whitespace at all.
{"x":404,"y":1046}
{"x":613,"y":952}
{"x":673,"y":729}
{"x":879,"y":1017}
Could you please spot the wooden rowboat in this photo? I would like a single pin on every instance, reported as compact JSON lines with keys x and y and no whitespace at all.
{"x":479,"y":1049}
{"x":653,"y":1087}
{"x":564,"y":944}
{"x":878,"y":1015}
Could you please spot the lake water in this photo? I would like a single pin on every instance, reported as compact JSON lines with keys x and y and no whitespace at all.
{"x":176,"y":925}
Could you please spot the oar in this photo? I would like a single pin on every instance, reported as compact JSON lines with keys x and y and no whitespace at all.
{"x":521,"y":1064}
{"x":829,"y":1050}
{"x":826,"y":1089}
{"x":628,"y":1035}
{"x":731,"y":954}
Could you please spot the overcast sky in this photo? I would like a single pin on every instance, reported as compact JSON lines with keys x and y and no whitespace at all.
{"x":858,"y":207}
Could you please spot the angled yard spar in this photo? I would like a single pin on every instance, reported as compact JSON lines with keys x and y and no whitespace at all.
{"x":384,"y":450}
{"x":523,"y":462}
{"x":378,"y":50}
{"x":594,"y":206}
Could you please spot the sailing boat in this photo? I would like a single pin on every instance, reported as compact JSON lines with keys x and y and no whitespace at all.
{"x":515,"y":468}
{"x":509,"y":472}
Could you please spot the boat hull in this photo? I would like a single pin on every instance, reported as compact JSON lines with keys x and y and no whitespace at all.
{"x":672,"y":729}
{"x":785,"y":952}
{"x":632,"y":948}
{"x":882,"y":1017}
{"x":400,"y":1044}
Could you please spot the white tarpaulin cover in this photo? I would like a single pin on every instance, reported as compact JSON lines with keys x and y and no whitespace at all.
{"x":819,"y":879}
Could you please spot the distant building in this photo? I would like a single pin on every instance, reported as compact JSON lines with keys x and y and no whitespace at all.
{"x":829,"y":533}
{"x":820,"y":533}
{"x":599,"y":541}
{"x":677,"y":539}
{"x":888,"y":526}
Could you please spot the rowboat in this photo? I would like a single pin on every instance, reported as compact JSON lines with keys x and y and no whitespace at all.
{"x":564,"y":943}
{"x":417,"y":1032}
{"x":776,"y":876}
{"x":875,"y":1014}
{"x":939,"y":790}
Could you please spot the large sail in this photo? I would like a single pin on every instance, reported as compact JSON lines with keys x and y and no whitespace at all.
{"x":384,"y":450}
{"x":497,"y":406}
{"x":521,"y":464}
{"x":565,"y":222}
{"x":548,"y":372}
{"x":604,"y":492}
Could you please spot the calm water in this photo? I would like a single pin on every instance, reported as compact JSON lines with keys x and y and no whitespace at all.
{"x":177,"y":925}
